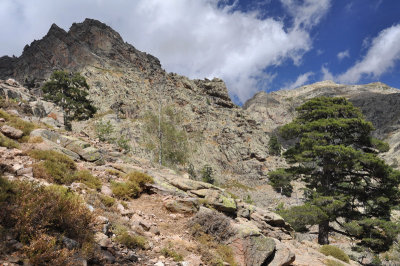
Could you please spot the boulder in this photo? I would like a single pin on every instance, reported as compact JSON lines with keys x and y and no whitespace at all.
{"x":102,"y":240}
{"x":283,"y":255}
{"x":188,"y":205}
{"x":11,"y":132}
{"x":253,"y":250}
{"x":90,"y":154}
{"x":221,"y":202}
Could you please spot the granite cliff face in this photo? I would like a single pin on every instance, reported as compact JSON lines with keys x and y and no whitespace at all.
{"x":128,"y":83}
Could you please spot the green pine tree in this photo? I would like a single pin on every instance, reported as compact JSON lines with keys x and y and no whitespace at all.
{"x":69,"y":91}
{"x":346,"y":182}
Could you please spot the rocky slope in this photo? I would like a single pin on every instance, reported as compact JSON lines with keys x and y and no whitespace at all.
{"x":163,"y":216}
{"x":128,"y":83}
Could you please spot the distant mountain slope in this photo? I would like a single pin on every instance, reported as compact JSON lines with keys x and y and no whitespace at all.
{"x":378,"y":102}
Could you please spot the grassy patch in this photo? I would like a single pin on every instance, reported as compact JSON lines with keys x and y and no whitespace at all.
{"x":18,"y":123}
{"x":36,"y":139}
{"x":7,"y":142}
{"x":107,"y":201}
{"x":171,"y":253}
{"x":134,"y":185}
{"x":53,"y":166}
{"x":329,"y":262}
{"x":335,"y":252}
{"x":116,"y":173}
{"x":130,"y":241}
{"x":85,"y":177}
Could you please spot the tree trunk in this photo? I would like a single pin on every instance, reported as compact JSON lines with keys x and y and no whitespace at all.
{"x":323,"y":233}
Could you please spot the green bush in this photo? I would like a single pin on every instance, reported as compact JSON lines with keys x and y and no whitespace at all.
{"x":85,"y":177}
{"x":44,"y":250}
{"x":134,"y":185}
{"x":129,"y":240}
{"x":175,"y":146}
{"x":140,"y":178}
{"x":207,"y":174}
{"x":301,"y":216}
{"x":171,"y":253}
{"x":123,"y":143}
{"x":18,"y":123}
{"x":107,"y":201}
{"x":274,"y":147}
{"x":280,"y":181}
{"x":53,"y":166}
{"x":125,"y":190}
{"x":335,"y":252}
{"x":104,"y":131}
{"x":7,"y":142}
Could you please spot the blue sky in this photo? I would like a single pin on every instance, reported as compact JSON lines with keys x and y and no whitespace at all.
{"x":252,"y":44}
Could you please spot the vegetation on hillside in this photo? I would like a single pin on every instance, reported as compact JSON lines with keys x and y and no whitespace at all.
{"x":69,"y":91}
{"x":41,"y":217}
{"x":346,"y":182}
{"x":164,"y":136}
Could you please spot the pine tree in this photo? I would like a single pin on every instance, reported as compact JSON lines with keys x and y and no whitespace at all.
{"x":346,"y":182}
{"x":69,"y":91}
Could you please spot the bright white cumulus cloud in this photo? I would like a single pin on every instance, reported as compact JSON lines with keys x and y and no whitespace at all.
{"x":195,"y":38}
{"x":381,"y":56}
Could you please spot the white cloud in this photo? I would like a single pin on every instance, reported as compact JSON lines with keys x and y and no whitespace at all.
{"x":307,"y":13}
{"x":300,"y":81}
{"x":343,"y":54}
{"x":190,"y":37}
{"x":381,"y":56}
{"x":327,"y":75}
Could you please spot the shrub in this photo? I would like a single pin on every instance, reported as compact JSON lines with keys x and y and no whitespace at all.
{"x":128,"y":240}
{"x":135,"y":184}
{"x":85,"y":177}
{"x":7,"y":142}
{"x":104,"y":131}
{"x":191,"y":171}
{"x":51,"y":209}
{"x":280,"y":181}
{"x":335,"y":252}
{"x":114,"y":172}
{"x":107,"y":201}
{"x":123,"y":143}
{"x":54,"y":166}
{"x":140,"y":178}
{"x":18,"y":123}
{"x":274,"y":147}
{"x":39,"y":216}
{"x":207,"y":174}
{"x":125,"y":190}
{"x":212,"y":223}
{"x":175,"y":146}
{"x":43,"y":250}
{"x":171,"y":253}
{"x":210,"y":250}
{"x":301,"y":216}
